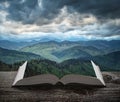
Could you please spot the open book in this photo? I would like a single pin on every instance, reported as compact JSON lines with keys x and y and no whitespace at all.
{"x":53,"y":80}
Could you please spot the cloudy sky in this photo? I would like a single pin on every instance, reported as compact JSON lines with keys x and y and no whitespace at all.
{"x":59,"y":19}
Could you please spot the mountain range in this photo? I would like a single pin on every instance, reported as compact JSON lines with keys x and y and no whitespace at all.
{"x":109,"y":61}
{"x":14,"y":45}
{"x":60,"y":51}
{"x":70,"y":54}
{"x":12,"y":56}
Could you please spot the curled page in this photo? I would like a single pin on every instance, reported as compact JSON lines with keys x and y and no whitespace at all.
{"x":20,"y":73}
{"x":98,"y":72}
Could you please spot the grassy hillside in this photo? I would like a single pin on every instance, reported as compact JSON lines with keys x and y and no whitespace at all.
{"x":12,"y":56}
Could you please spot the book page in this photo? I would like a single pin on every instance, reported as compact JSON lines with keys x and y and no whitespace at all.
{"x":80,"y":79}
{"x":38,"y":80}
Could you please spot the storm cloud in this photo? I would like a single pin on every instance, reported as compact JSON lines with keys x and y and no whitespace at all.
{"x":90,"y":19}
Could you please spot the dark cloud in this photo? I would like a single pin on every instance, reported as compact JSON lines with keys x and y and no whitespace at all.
{"x":100,"y":18}
{"x":30,"y":12}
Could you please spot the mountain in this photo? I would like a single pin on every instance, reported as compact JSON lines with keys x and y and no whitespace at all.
{"x":109,"y":61}
{"x":100,"y":44}
{"x":77,"y":52}
{"x":56,"y":51}
{"x":45,"y":49}
{"x":60,"y":51}
{"x":12,"y":56}
{"x":100,"y":51}
{"x":15,"y":45}
{"x":106,"y":46}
